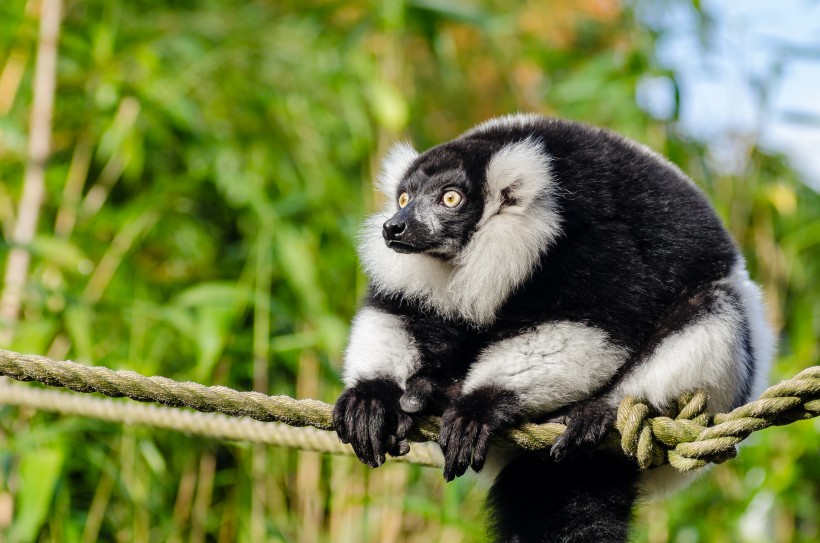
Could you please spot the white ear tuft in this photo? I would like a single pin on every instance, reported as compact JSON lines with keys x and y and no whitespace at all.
{"x":394,"y":167}
{"x":517,"y":174}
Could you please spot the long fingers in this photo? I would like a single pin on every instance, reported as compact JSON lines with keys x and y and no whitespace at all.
{"x":464,"y":442}
{"x":368,"y":417}
{"x":481,"y":446}
{"x":341,"y":420}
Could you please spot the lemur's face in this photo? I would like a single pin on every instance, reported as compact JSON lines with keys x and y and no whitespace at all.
{"x":437,"y":207}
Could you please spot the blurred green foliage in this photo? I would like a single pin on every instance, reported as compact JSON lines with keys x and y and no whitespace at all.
{"x":211,"y":163}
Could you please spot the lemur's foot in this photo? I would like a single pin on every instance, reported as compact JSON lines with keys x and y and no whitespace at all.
{"x":467,"y":425}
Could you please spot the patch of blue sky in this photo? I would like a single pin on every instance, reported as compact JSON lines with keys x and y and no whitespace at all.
{"x":753,"y":77}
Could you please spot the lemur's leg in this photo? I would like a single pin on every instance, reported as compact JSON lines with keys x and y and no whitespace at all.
{"x":535,"y":372}
{"x":723,"y":346}
{"x":714,"y":339}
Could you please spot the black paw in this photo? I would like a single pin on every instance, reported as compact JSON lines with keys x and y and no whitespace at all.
{"x":368,"y":417}
{"x":467,"y":425}
{"x":587,"y":425}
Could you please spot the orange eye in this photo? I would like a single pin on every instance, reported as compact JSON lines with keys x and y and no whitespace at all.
{"x":451,"y":198}
{"x":404,"y":199}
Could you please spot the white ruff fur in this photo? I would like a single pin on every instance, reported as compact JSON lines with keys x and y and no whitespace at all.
{"x":502,"y":253}
{"x":394,"y":167}
{"x":379,"y":346}
{"x":553,"y":365}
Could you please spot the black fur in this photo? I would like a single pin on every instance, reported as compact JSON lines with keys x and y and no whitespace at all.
{"x":637,"y":237}
{"x":589,"y":500}
{"x":432,"y":176}
{"x":447,"y":348}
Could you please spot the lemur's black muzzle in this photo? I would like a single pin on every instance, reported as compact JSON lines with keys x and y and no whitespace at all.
{"x":399,"y":234}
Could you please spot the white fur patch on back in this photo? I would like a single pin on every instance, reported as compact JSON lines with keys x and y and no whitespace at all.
{"x":519,"y":223}
{"x":379,"y":346}
{"x":394,"y":167}
{"x":706,"y":354}
{"x":548,"y":366}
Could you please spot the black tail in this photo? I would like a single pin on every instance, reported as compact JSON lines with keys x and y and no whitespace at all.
{"x":535,"y":499}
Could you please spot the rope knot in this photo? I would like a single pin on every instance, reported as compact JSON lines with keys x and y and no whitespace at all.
{"x":649,"y":438}
{"x":790,"y":400}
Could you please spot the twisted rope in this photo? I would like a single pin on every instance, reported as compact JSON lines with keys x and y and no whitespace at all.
{"x":129,"y":384}
{"x":211,"y":425}
{"x":688,"y":440}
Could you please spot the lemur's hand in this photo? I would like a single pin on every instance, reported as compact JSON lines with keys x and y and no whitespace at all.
{"x":368,"y":417}
{"x":587,"y":424}
{"x":467,"y":425}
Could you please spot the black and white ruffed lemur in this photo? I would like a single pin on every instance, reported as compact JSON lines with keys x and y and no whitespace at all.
{"x":535,"y":268}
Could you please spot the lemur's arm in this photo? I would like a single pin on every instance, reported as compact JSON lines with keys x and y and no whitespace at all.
{"x":391,"y":369}
{"x":380,"y":358}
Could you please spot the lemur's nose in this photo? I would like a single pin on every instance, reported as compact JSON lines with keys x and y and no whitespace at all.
{"x":393,"y":229}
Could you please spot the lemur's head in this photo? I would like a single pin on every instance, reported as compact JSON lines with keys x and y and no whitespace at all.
{"x":438,"y":205}
{"x":466,"y":221}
